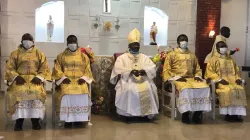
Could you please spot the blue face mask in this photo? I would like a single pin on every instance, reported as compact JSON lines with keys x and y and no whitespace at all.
{"x":132,"y":52}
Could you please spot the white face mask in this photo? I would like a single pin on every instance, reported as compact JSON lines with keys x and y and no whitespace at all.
{"x":72,"y":47}
{"x":27,"y":44}
{"x":183,"y":45}
{"x":223,"y":51}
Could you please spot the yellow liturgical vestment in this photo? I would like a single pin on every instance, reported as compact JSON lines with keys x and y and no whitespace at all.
{"x":178,"y":64}
{"x":225,"y":68}
{"x":27,"y":64}
{"x":72,"y":65}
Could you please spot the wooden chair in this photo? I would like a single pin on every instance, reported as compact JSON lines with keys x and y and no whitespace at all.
{"x":171,"y":93}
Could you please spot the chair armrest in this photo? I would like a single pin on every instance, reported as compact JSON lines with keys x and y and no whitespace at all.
{"x":7,"y":83}
{"x":172,"y":83}
{"x":214,"y":82}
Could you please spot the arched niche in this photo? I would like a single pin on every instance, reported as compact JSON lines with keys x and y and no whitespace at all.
{"x":49,"y":26}
{"x":151,"y":15}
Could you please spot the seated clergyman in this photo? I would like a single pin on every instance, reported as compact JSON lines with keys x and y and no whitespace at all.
{"x":181,"y":66}
{"x":26,"y":70}
{"x":136,"y":93}
{"x":232,"y":97}
{"x":72,"y":74}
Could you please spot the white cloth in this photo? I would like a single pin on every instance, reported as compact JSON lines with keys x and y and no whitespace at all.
{"x":194,"y":100}
{"x":29,"y":109}
{"x":233,"y":110}
{"x":128,"y":101}
{"x":75,"y":108}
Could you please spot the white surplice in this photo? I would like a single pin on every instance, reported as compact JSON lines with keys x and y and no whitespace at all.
{"x":29,"y":109}
{"x":135,"y":96}
{"x":75,"y":108}
{"x":233,"y":110}
{"x":194,"y":100}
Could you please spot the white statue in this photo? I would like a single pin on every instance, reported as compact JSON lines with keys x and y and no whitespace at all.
{"x":50,"y":28}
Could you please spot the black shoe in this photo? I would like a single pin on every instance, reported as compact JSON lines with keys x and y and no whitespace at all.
{"x":229,"y":118}
{"x":19,"y":125}
{"x":35,"y":124}
{"x":78,"y":124}
{"x":197,"y":117}
{"x":146,"y":119}
{"x":237,"y":118}
{"x":185,"y":118}
{"x":125,"y":119}
{"x":68,"y":125}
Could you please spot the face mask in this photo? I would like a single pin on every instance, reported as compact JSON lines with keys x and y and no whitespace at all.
{"x":72,"y":47}
{"x":183,"y":45}
{"x":27,"y":44}
{"x":223,"y":51}
{"x":134,"y":52}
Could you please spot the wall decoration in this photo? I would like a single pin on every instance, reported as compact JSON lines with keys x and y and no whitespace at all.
{"x":50,"y":22}
{"x":107,"y":26}
{"x":155,"y":26}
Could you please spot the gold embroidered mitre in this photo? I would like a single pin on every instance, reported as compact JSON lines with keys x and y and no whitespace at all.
{"x":134,"y":36}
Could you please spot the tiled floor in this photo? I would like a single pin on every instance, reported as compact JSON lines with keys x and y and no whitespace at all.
{"x":106,"y":129}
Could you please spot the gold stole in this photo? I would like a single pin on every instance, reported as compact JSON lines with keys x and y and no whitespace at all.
{"x":142,"y":87}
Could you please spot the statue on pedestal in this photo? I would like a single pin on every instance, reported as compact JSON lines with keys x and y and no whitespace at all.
{"x":153,"y":32}
{"x":50,"y":28}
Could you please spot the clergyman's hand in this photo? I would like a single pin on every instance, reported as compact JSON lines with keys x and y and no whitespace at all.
{"x":66,"y":81}
{"x":238,"y":82}
{"x":182,"y":79}
{"x":135,"y":72}
{"x":198,"y":79}
{"x":142,"y":72}
{"x":36,"y":81}
{"x":20,"y":81}
{"x":223,"y":82}
{"x":81,"y":81}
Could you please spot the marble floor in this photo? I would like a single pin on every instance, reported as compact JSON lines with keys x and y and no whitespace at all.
{"x":104,"y":128}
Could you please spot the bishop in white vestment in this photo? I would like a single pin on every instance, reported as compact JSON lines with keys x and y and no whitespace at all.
{"x":136,"y":93}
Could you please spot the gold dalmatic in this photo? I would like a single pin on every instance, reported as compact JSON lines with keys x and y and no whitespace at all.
{"x":27,"y":64}
{"x":185,"y":64}
{"x":225,"y":68}
{"x":72,"y":65}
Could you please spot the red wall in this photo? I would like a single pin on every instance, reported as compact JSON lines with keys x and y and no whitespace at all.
{"x":208,"y":18}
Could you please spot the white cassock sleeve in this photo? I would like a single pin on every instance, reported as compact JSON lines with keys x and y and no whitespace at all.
{"x":149,"y":67}
{"x":120,"y":69}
